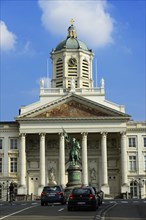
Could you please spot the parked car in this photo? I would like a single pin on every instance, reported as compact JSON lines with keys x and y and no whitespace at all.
{"x":52,"y":194}
{"x":82,"y":197}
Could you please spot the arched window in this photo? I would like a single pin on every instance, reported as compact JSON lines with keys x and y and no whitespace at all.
{"x":134,"y":189}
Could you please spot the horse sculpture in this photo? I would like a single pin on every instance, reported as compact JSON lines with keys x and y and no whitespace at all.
{"x":74,"y":154}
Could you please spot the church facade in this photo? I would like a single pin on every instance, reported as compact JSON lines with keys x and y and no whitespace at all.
{"x":33,"y":152}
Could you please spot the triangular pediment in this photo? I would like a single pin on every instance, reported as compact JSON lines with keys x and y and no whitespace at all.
{"x":71,"y":109}
{"x":73,"y":106}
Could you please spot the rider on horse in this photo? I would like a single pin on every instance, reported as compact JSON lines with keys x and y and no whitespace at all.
{"x":74,"y":154}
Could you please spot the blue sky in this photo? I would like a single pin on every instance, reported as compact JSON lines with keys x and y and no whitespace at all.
{"x":115,"y":30}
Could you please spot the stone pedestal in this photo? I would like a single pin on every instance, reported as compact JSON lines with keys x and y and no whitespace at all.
{"x":74,"y":176}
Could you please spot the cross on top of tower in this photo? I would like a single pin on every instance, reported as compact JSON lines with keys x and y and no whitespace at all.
{"x":72,"y":30}
{"x":72,"y":21}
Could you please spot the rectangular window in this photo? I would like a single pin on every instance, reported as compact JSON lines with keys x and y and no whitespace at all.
{"x":13,"y":163}
{"x":132,"y":163}
{"x":144,"y":162}
{"x":144,"y":141}
{"x":13,"y":143}
{"x":0,"y":165}
{"x":1,"y":143}
{"x":132,"y":142}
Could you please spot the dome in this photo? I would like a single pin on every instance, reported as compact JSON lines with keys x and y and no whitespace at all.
{"x":71,"y":41}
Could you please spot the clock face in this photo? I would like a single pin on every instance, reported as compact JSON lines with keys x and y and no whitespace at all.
{"x":72,"y":61}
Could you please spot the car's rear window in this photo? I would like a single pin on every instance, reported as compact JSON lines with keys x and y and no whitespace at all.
{"x":81,"y":191}
{"x":52,"y":189}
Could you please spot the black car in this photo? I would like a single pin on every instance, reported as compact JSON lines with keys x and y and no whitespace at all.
{"x":82,"y":197}
{"x":52,"y":194}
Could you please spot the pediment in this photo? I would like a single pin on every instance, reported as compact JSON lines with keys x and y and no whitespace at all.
{"x":71,"y":109}
{"x":73,"y":106}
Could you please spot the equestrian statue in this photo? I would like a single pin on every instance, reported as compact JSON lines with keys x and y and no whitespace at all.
{"x":74,"y":154}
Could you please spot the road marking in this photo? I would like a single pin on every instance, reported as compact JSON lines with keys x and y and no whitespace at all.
{"x":34,"y":203}
{"x":104,"y":214}
{"x":14,"y":213}
{"x":60,"y":210}
{"x":98,"y":217}
{"x":124,"y":201}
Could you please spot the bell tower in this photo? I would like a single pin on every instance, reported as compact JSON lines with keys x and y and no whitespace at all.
{"x":72,"y":62}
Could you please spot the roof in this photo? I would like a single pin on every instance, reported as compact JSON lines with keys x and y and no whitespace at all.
{"x":72,"y":42}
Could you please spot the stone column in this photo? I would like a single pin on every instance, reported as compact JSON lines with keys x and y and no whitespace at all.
{"x":62,"y":160}
{"x":84,"y":160}
{"x":42,"y":163}
{"x":105,"y":186}
{"x":22,"y":187}
{"x":124,"y":184}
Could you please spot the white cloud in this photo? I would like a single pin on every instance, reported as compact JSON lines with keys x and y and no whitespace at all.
{"x":7,"y":38}
{"x":93,"y":22}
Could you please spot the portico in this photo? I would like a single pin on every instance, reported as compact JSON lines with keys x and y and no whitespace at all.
{"x":96,"y":158}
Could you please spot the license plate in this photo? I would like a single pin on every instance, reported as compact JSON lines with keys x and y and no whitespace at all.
{"x":51,"y":195}
{"x":81,"y":203}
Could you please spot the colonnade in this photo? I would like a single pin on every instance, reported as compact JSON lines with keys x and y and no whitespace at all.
{"x":104,"y":167}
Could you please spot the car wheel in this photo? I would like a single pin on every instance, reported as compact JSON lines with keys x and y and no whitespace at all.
{"x":63,"y":203}
{"x":68,"y":208}
{"x":94,"y":208}
{"x":42,"y":203}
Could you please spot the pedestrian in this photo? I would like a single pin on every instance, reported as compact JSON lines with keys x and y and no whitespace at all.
{"x":11,"y":191}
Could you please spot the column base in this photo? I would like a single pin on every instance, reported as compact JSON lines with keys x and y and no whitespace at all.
{"x":22,"y":190}
{"x":124,"y":188}
{"x":105,"y":189}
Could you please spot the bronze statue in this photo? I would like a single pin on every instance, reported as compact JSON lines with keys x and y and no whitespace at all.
{"x":74,"y":154}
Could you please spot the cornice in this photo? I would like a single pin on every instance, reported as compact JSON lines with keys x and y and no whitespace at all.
{"x":136,"y":129}
{"x":79,"y":119}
